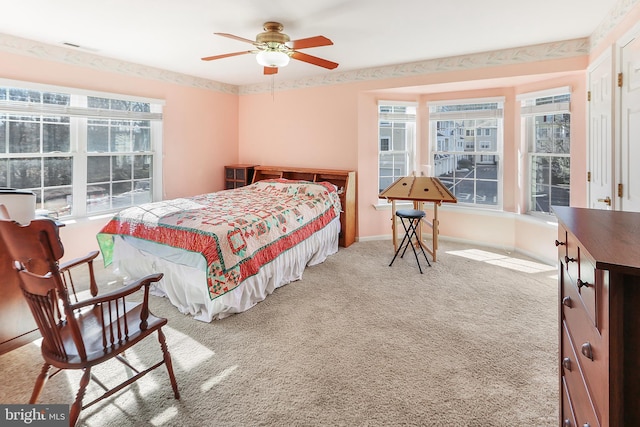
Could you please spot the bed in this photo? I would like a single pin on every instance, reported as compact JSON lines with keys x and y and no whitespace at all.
{"x":221,"y":253}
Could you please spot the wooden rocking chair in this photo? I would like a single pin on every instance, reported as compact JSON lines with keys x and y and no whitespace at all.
{"x":79,"y":334}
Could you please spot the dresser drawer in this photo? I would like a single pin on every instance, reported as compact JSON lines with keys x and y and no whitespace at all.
{"x":588,"y":347}
{"x":581,"y":272}
{"x":571,"y":255}
{"x":568,"y":417}
{"x":581,"y":405}
{"x":591,"y":353}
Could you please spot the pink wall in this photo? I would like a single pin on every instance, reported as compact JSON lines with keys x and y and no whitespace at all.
{"x":311,"y":127}
{"x":200,"y":129}
{"x":630,"y":20}
{"x":336,"y":126}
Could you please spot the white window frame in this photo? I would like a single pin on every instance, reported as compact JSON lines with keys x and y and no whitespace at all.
{"x":410,"y":147}
{"x":79,"y":116}
{"x":478,"y":114}
{"x":528,"y":112}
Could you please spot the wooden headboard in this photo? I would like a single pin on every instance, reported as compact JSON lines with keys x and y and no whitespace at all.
{"x":344,"y":180}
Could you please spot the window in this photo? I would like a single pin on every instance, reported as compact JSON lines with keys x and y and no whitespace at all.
{"x":396,"y":148}
{"x":546,"y":130}
{"x":466,"y":161}
{"x":79,"y":153}
{"x":385,"y":143}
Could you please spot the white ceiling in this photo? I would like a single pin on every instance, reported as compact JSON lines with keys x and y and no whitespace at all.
{"x":174,"y":35}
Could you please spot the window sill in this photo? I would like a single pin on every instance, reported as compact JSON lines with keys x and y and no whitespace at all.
{"x":447,"y":206}
{"x":85,"y":219}
{"x":549,"y":220}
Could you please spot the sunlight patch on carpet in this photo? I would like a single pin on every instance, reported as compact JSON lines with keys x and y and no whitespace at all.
{"x":503,"y":261}
{"x":186,"y":351}
{"x":211,"y":382}
{"x":164,"y":416}
{"x":477,"y":254}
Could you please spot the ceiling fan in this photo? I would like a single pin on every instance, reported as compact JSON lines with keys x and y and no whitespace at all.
{"x":274,"y":48}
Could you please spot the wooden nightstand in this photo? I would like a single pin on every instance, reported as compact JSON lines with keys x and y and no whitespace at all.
{"x":237,"y":175}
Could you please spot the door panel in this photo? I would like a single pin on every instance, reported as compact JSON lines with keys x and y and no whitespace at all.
{"x":630,"y":126}
{"x":601,"y":160}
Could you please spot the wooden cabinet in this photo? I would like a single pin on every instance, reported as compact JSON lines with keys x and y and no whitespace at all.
{"x":237,"y":176}
{"x":344,"y":180}
{"x":599,"y":317}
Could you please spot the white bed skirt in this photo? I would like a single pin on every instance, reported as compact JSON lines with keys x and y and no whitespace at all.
{"x":185,"y":284}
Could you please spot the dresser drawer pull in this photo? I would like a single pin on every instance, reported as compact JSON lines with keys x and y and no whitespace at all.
{"x":587,"y":351}
{"x":566,"y":422}
{"x":567,"y":302}
{"x":567,"y":260}
{"x":559,"y":243}
{"x":582,"y":283}
{"x":566,"y":364}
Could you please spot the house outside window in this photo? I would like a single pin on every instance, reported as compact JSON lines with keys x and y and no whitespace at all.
{"x":396,"y":141}
{"x":468,"y":162}
{"x":547,"y":133}
{"x":79,"y":153}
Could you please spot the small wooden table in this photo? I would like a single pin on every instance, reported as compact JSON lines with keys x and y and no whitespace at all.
{"x":419,"y":190}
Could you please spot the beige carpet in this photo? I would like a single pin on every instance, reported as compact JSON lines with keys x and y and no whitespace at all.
{"x":355,"y":343}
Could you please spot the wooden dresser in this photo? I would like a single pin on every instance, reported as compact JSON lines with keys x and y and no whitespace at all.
{"x":344,"y":180}
{"x":599,"y":313}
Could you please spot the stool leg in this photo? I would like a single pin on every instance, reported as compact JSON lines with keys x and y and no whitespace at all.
{"x":407,"y":234}
{"x":401,"y":244}
{"x":412,"y":232}
{"x":418,"y":242}
{"x":425,"y":255}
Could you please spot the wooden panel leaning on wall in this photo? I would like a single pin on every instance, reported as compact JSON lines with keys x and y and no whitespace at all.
{"x":343,"y":179}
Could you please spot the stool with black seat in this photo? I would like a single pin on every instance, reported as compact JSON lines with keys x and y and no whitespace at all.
{"x":410,"y":219}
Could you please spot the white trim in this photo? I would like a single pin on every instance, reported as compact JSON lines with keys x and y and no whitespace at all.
{"x":496,"y":113}
{"x":544,"y":93}
{"x":20,"y":107}
{"x":468,"y":115}
{"x":17,"y":107}
{"x":535,"y":110}
{"x":467,"y":101}
{"x":398,"y":103}
{"x":20,"y":84}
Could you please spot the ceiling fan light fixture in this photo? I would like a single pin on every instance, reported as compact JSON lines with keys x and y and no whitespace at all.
{"x":272,"y":58}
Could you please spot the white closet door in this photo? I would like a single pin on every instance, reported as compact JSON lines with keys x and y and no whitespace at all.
{"x":600,"y":150}
{"x":629,"y":159}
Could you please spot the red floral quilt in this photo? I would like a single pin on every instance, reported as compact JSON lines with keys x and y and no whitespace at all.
{"x":237,"y":231}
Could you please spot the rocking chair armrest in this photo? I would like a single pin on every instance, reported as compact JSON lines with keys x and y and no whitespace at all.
{"x":78,"y":261}
{"x":65,"y":269}
{"x":119,"y":293}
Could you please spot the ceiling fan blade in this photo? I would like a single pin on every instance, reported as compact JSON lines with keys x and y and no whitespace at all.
{"x":314,"y":60}
{"x":270,"y":70}
{"x":226,"y":55}
{"x":231,"y":36}
{"x":310,"y":42}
